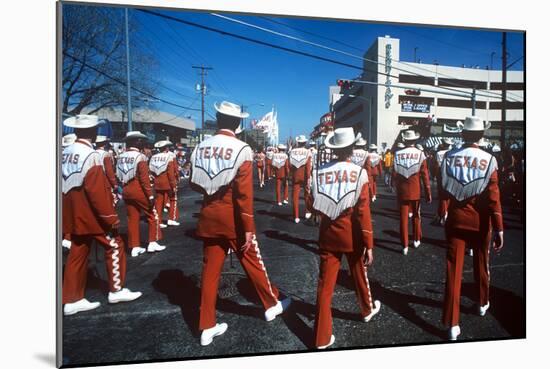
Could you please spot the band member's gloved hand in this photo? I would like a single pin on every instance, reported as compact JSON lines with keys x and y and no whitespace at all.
{"x":498,"y":241}
{"x":369,"y":257}
{"x":151,"y":202}
{"x":250,"y":239}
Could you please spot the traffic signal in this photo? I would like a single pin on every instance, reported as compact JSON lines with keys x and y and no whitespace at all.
{"x":345,"y":85}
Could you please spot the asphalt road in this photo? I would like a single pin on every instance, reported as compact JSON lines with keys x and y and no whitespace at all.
{"x":163,"y":323}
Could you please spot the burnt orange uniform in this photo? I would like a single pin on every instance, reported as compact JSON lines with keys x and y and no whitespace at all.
{"x":281,"y":167}
{"x":443,"y":202}
{"x":470,"y":183}
{"x":109,"y":169}
{"x":88,"y":215}
{"x":300,"y":168}
{"x":137,"y":192}
{"x":340,"y":194}
{"x":410,"y":169}
{"x":221,"y":169}
{"x":268,"y":157}
{"x":374,"y":162}
{"x":161,"y":166}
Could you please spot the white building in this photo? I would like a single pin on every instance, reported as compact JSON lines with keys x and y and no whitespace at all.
{"x":382,"y":109}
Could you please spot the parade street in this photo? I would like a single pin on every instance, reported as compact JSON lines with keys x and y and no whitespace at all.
{"x":163,"y":323}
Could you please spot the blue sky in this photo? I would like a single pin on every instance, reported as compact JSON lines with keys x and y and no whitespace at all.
{"x":297,"y":86}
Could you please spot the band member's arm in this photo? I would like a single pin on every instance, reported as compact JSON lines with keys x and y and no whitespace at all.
{"x":367,"y":167}
{"x":243,"y":189}
{"x":143,"y":178}
{"x":98,"y":192}
{"x":110,"y":171}
{"x":308,"y":168}
{"x":363,"y":215}
{"x":494,"y":203}
{"x":171,"y":174}
{"x":425,"y":177}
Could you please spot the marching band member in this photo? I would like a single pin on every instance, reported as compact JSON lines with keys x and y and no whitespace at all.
{"x":161,"y":166}
{"x":268,"y":157}
{"x":345,"y":229}
{"x":469,"y":180}
{"x":375,"y":164}
{"x":300,"y":168}
{"x":67,"y":140}
{"x":359,"y":155}
{"x":88,"y":215}
{"x":174,"y":212}
{"x":410,"y":168}
{"x":221,"y":169}
{"x":443,"y":203}
{"x":313,"y":151}
{"x":102,"y":147}
{"x":259,"y":158}
{"x":133,"y":172}
{"x":282,"y":169}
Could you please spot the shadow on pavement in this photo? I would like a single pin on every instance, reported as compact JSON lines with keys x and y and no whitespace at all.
{"x":506,"y":307}
{"x":401,"y":304}
{"x":303,"y":243}
{"x":182,"y":291}
{"x":282,"y":216}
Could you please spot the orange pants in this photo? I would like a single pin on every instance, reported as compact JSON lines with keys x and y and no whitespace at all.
{"x":442,"y":207}
{"x":214,"y":253}
{"x":372,"y":185}
{"x":174,"y":212}
{"x":406,"y":207}
{"x":479,"y":242}
{"x":296,"y":187}
{"x":284,"y":182}
{"x":328,"y":273}
{"x":268,"y":168}
{"x":134,"y":209}
{"x":76,"y":267}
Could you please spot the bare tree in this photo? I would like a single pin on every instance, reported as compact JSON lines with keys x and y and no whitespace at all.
{"x":94,"y":61}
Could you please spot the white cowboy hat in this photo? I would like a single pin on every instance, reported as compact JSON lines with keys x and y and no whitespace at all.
{"x":301,"y":139}
{"x":496,"y":148}
{"x":447,"y":141}
{"x":373,"y":147}
{"x":68,"y":140}
{"x":281,"y":147}
{"x":419,"y":147}
{"x":134,"y":134}
{"x":340,"y":138}
{"x":228,"y":108}
{"x":311,"y":143}
{"x":410,"y":135}
{"x":400,"y":145}
{"x":483,"y":142}
{"x":360,"y":142}
{"x":82,"y":121}
{"x":162,"y":143}
{"x":239,"y":130}
{"x":101,"y":139}
{"x":473,"y":124}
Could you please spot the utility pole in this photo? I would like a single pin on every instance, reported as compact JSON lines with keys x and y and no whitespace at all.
{"x":415,"y":54}
{"x":203,"y":88}
{"x":504,"y":93}
{"x":128,"y":85}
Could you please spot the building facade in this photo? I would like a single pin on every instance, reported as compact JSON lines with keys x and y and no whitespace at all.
{"x":392,"y":95}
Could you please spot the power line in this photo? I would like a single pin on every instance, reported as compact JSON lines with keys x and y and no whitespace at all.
{"x":403,"y":62}
{"x":309,"y":33}
{"x":187,"y":46}
{"x":124,"y":84}
{"x":339,"y":51}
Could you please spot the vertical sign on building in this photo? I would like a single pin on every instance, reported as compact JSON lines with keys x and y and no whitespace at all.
{"x":388,"y":95}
